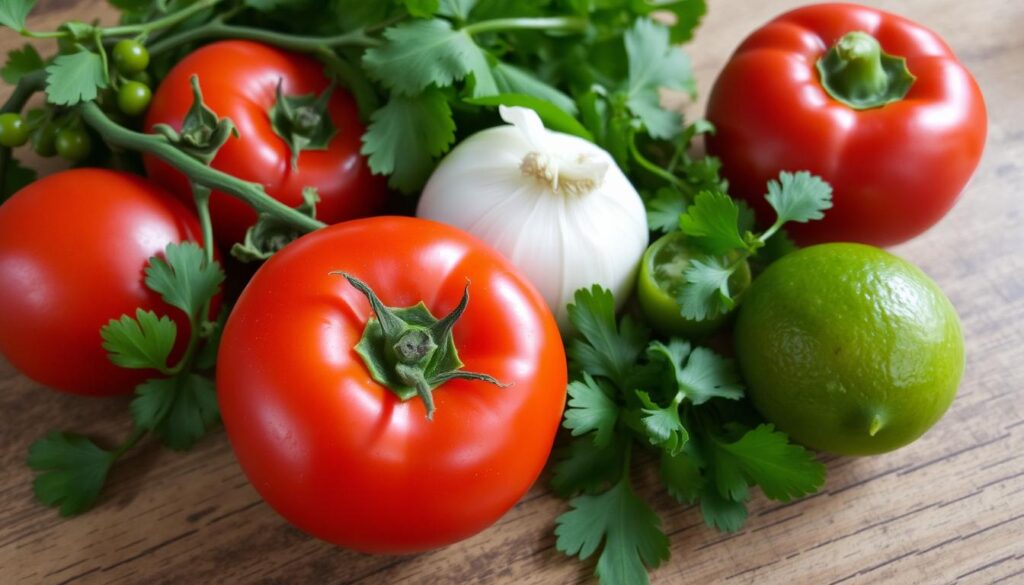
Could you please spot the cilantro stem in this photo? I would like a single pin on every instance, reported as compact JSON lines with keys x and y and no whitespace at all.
{"x":251,"y":193}
{"x":654,"y":169}
{"x":771,"y":231}
{"x":165,"y":22}
{"x":566,"y":23}
{"x":128,"y":443}
{"x":216,"y":29}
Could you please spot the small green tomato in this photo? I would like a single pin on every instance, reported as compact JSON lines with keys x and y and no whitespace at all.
{"x":13,"y":130}
{"x":133,"y":98}
{"x":73,"y":144}
{"x":130,"y":57}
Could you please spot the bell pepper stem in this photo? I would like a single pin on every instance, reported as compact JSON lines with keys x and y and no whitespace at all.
{"x":857,"y":72}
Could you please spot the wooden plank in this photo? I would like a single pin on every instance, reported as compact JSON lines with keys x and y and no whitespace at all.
{"x":949,"y":508}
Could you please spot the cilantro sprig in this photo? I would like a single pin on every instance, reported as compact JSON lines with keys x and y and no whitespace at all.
{"x":631,"y":391}
{"x":179,"y":405}
{"x":721,"y":229}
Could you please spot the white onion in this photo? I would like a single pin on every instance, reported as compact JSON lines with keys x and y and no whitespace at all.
{"x":555,"y":205}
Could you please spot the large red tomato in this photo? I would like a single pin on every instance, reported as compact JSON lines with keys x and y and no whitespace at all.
{"x":337,"y":453}
{"x":239,"y":80}
{"x":811,"y":91}
{"x":73,"y":250}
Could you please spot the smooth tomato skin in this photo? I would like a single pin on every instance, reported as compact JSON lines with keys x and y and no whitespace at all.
{"x":73,"y":248}
{"x":895,"y":170}
{"x":239,"y":81}
{"x":340,"y":456}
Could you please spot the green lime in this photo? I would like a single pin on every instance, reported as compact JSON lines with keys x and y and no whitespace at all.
{"x":661,"y":282}
{"x":849,"y":349}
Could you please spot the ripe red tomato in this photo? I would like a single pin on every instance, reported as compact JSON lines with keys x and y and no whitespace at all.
{"x":340,"y":455}
{"x":73,"y":248}
{"x":895,"y":168}
{"x":239,"y":81}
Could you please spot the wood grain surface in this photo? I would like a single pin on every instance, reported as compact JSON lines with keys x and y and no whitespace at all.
{"x":947,"y":509}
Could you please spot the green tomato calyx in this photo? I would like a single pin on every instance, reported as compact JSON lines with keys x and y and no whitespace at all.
{"x":303,"y":121}
{"x":202,"y":131}
{"x":857,"y":72}
{"x":410,"y":351}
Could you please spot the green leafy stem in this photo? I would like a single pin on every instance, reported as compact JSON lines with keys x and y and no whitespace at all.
{"x":168,"y":21}
{"x":219,"y":29}
{"x":200,"y":174}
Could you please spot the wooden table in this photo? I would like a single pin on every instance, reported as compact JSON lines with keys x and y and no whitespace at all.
{"x":949,"y":508}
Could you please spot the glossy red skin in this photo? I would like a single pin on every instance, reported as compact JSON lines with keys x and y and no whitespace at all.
{"x":895,"y":170}
{"x":339,"y":455}
{"x":239,"y":81}
{"x":73,"y":250}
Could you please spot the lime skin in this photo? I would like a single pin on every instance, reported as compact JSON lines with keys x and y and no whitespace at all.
{"x":849,"y":349}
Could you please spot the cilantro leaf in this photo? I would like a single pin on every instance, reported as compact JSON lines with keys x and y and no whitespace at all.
{"x":406,"y":135}
{"x":421,"y":8}
{"x":583,"y":466}
{"x":425,"y":52}
{"x":706,"y":294}
{"x":776,"y":247}
{"x":681,"y":475}
{"x":179,"y":410}
{"x":75,"y":78}
{"x":662,"y":425}
{"x":591,"y":409}
{"x":14,"y":12}
{"x":722,"y":513}
{"x":605,"y":349}
{"x":688,"y":14}
{"x":15,"y":177}
{"x":664,"y":209}
{"x":153,"y":399}
{"x":705,"y":376}
{"x":628,"y":527}
{"x":799,"y":197}
{"x":712,"y":222}
{"x":708,"y":375}
{"x":767,"y":458}
{"x":73,"y":471}
{"x":143,"y":342}
{"x":184,"y":278}
{"x":459,"y":9}
{"x":655,"y":63}
{"x":21,"y":62}
{"x":512,"y":79}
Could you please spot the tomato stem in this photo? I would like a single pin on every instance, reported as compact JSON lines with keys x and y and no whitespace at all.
{"x":856,"y":72}
{"x":199,"y":173}
{"x":167,"y":21}
{"x":201,"y":194}
{"x":218,"y":29}
{"x":408,"y":350}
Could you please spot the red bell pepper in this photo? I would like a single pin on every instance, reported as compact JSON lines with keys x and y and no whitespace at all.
{"x":873,"y":103}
